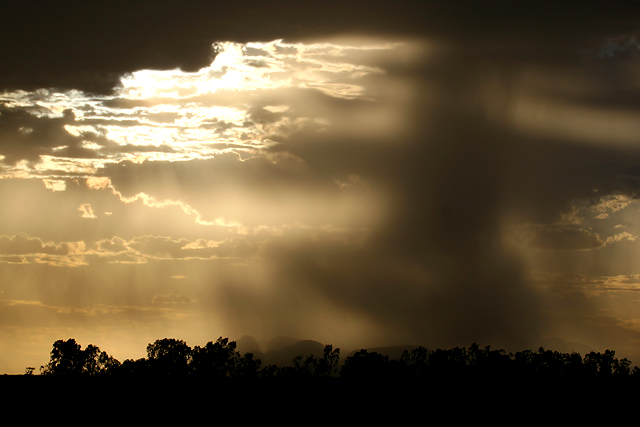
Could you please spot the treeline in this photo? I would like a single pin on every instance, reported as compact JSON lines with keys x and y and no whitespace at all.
{"x":174,"y":358}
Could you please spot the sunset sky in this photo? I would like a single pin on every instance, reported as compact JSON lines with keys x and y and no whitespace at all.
{"x":438,"y":173}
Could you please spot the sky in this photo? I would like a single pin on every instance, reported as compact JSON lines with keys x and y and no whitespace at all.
{"x":437,"y":174}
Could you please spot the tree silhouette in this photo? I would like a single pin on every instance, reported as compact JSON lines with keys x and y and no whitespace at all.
{"x":98,"y":362}
{"x":219,"y":359}
{"x":248,"y":367}
{"x":415,"y":364}
{"x":169,"y":356}
{"x":365,"y":365}
{"x":174,"y":358}
{"x":328,"y":365}
{"x":606,"y":364}
{"x":312,"y":366}
{"x":452,"y":362}
{"x":67,"y":358}
{"x":131,"y":367}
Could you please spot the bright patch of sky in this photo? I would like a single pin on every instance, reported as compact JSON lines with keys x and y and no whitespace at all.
{"x":171,"y":115}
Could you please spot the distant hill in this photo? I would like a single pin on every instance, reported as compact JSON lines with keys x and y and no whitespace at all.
{"x":556,"y":344}
{"x":248,"y":344}
{"x":280,"y":351}
{"x":284,"y":355}
{"x":279,"y":343}
{"x":394,"y":352}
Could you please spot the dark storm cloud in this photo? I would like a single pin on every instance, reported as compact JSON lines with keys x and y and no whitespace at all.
{"x":437,"y":270}
{"x":24,"y":136}
{"x":89,"y":45}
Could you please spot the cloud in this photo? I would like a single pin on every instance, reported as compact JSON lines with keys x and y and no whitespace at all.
{"x":21,"y":244}
{"x":565,"y":238}
{"x":25,"y":136}
{"x":612,"y":203}
{"x":69,"y":317}
{"x":23,"y":249}
{"x":172,"y":115}
{"x":171,"y":299}
{"x":113,"y":245}
{"x":83,"y":50}
{"x":55,"y":184}
{"x":86,"y":210}
{"x":625,"y":235}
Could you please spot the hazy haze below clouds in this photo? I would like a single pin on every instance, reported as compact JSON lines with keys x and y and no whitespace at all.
{"x":430,"y":175}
